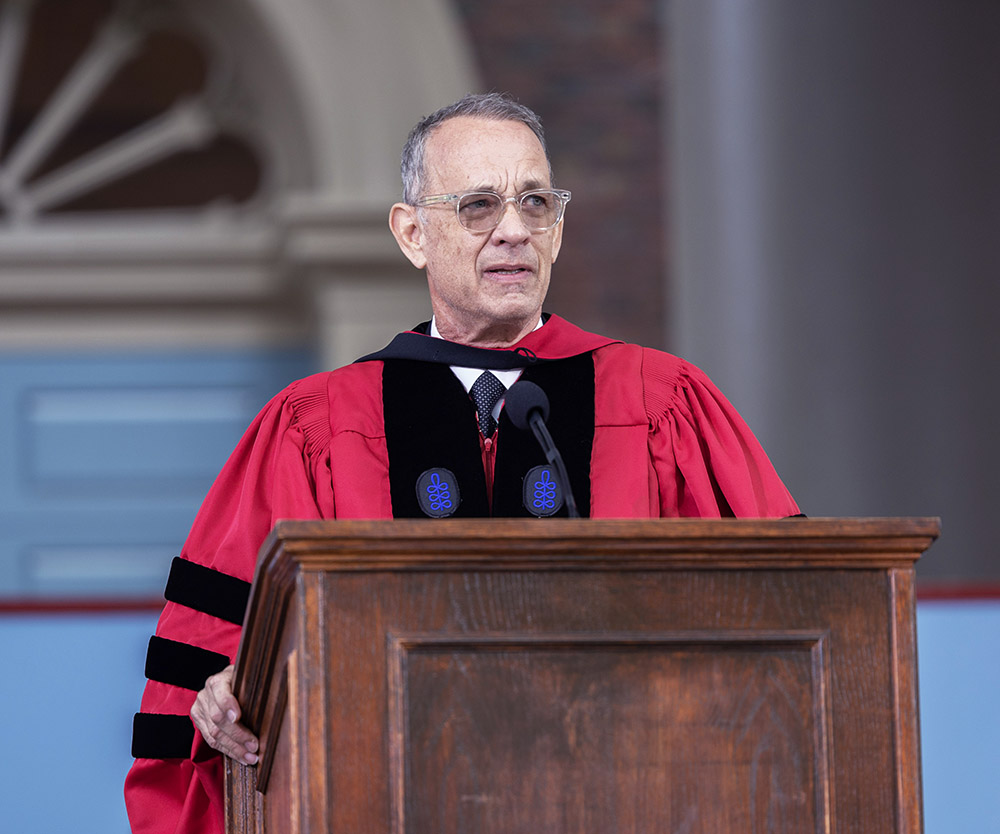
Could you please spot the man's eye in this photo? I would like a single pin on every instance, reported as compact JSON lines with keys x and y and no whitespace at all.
{"x":479,"y":204}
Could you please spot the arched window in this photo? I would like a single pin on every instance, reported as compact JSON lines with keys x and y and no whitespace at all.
{"x":108,"y":107}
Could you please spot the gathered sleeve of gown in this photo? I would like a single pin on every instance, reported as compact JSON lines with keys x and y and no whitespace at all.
{"x":280,"y":469}
{"x":706,"y":461}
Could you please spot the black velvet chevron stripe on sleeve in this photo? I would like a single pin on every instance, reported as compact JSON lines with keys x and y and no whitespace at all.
{"x":157,"y":736}
{"x":207,"y":590}
{"x":181,"y":664}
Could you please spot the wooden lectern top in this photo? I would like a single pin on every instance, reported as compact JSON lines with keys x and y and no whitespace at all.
{"x":511,"y":543}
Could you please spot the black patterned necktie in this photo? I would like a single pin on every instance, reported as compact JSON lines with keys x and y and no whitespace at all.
{"x":485,"y":392}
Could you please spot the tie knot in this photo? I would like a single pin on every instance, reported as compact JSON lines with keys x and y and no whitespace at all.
{"x":486,"y":391}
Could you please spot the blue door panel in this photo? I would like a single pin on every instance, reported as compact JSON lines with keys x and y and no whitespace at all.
{"x":104,"y":460}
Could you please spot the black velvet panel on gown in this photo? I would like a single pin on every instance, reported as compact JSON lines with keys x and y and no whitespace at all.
{"x":430,"y":423}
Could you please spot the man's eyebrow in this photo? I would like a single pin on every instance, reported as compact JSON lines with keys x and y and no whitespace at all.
{"x":530,"y":185}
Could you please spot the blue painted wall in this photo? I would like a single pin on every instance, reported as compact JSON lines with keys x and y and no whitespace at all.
{"x":70,"y":684}
{"x":105,"y":459}
{"x":959,"y":656}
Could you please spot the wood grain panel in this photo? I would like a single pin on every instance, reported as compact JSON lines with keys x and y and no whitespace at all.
{"x":611,"y":733}
{"x":849,"y":606}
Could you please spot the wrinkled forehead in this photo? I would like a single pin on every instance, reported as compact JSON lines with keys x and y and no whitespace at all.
{"x":466,"y":153}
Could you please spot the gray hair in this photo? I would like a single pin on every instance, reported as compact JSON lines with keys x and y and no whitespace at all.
{"x":497,"y":107}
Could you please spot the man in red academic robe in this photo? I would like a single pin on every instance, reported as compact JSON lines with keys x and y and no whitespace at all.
{"x":413,"y":431}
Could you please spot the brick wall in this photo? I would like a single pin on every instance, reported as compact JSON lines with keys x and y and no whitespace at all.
{"x":592,"y":70}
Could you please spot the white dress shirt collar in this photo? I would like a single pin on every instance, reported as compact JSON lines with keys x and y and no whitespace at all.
{"x":467,"y":376}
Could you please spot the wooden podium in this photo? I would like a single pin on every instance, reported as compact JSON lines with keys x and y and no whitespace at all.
{"x":556,"y":676}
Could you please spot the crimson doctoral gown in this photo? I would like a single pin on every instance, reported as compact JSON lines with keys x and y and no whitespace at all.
{"x":645,"y":434}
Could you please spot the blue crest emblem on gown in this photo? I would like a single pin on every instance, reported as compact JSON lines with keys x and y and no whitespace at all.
{"x":543,"y":494}
{"x":437,"y":492}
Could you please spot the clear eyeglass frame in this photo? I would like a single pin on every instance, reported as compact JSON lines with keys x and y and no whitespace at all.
{"x":560,"y":196}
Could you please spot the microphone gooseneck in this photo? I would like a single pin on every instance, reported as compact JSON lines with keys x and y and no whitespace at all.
{"x":528,"y":407}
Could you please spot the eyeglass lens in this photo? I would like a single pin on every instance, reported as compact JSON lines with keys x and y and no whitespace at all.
{"x":481,"y":211}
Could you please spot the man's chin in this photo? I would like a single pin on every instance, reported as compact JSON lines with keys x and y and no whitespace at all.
{"x":515,"y":311}
{"x":504,"y":324}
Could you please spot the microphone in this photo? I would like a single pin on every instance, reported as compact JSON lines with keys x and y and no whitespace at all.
{"x":527,"y":406}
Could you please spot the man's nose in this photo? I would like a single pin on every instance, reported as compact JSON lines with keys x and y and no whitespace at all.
{"x":511,"y":227}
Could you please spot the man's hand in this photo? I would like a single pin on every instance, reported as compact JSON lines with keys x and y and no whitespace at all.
{"x":216,"y":714}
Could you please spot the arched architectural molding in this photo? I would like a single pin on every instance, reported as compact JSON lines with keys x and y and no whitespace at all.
{"x":368,"y":72}
{"x":365,"y":73}
{"x":322,"y":90}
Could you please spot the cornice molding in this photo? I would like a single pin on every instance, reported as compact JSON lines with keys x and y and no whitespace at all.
{"x":191,"y":262}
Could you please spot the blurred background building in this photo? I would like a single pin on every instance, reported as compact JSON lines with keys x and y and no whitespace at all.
{"x":802,"y":198}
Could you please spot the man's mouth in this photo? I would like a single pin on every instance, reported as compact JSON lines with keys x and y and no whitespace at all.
{"x":507,"y":270}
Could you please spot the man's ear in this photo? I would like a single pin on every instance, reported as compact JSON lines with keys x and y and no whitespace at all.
{"x":407,"y":230}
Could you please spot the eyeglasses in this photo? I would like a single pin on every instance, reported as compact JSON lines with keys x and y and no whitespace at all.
{"x":480,"y":211}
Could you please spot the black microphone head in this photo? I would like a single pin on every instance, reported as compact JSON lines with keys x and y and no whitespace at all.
{"x":521,"y":399}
